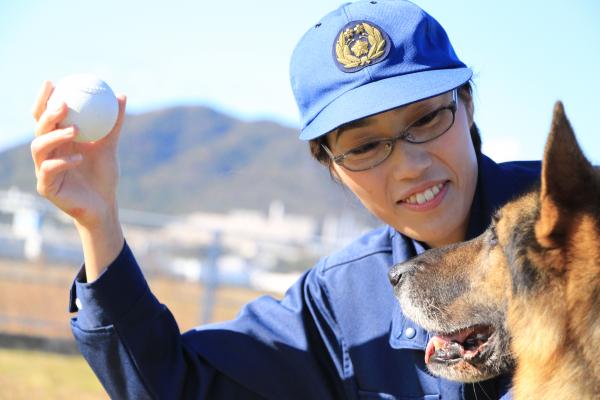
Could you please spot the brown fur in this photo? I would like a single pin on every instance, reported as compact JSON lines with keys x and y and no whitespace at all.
{"x":533,"y":277}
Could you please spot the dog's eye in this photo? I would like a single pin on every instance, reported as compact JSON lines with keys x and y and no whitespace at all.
{"x":496,"y":216}
{"x":493,"y":238}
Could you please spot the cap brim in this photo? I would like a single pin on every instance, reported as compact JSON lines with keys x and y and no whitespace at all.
{"x":384,"y":95}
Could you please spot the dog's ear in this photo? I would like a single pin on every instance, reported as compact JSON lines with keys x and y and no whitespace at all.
{"x":566,"y":179}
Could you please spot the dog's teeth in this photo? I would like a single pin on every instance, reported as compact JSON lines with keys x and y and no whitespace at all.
{"x":482,"y":336}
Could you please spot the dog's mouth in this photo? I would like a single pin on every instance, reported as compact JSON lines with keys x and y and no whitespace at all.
{"x":469,"y":345}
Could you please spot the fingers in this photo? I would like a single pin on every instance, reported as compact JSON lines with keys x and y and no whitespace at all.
{"x":42,"y":146}
{"x":41,"y":100}
{"x":48,"y":175}
{"x":49,"y":120}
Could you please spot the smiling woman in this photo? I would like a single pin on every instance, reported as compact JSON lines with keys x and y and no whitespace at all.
{"x":386,"y":105}
{"x":426,"y":188}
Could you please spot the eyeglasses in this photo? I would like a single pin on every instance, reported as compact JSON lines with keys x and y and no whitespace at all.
{"x":425,"y":129}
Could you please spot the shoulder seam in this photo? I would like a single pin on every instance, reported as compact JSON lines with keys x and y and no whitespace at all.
{"x":347,"y":365}
{"x":326,"y":267}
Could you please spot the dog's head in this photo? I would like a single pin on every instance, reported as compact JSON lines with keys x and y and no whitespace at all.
{"x":523,"y":286}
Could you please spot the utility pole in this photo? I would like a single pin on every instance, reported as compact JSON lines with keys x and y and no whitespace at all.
{"x":210,"y":278}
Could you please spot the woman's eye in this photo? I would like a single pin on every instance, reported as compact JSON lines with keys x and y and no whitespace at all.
{"x":427,"y":119}
{"x":365,"y":148}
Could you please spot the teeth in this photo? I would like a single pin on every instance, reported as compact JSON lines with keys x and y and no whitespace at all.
{"x":428,"y":194}
{"x":424,"y":196}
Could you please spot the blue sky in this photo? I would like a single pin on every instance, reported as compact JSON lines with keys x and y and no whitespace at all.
{"x":234,"y":56}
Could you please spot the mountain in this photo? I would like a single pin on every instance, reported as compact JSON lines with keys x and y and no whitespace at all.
{"x":192,"y":158}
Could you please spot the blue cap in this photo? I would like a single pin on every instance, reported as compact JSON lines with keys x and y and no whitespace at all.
{"x":368,"y":57}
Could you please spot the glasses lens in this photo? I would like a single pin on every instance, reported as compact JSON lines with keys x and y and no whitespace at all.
{"x":368,"y":155}
{"x":430,"y":126}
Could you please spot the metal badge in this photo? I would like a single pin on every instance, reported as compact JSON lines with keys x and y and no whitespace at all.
{"x":360,"y":44}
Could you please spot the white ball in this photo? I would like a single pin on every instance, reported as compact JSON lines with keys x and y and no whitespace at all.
{"x":93,"y":107}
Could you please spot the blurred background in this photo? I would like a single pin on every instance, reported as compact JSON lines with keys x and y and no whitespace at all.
{"x":220,"y":201}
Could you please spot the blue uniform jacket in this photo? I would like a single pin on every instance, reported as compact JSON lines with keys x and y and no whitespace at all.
{"x":338,"y":333}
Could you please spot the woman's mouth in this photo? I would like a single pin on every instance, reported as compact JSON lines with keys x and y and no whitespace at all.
{"x":426,"y":199}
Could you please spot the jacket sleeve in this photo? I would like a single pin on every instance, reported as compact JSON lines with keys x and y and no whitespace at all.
{"x":274,"y":349}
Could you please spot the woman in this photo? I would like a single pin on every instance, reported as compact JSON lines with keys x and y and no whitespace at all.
{"x":386,"y":105}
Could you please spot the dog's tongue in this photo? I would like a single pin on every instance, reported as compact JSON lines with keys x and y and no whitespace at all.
{"x":446,"y":343}
{"x":435,"y":343}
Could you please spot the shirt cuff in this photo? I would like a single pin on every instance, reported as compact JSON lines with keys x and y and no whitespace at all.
{"x":109,"y":298}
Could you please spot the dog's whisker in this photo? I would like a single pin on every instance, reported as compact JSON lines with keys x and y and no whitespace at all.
{"x":483,"y":390}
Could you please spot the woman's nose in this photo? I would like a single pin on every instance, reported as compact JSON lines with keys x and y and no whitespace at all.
{"x":410,"y":160}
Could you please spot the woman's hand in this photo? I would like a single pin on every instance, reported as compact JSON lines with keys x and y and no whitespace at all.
{"x":80,"y":179}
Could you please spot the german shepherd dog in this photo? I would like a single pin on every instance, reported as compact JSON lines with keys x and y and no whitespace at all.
{"x":526,"y":293}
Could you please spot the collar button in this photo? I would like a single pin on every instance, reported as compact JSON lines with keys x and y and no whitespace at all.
{"x":410,"y":332}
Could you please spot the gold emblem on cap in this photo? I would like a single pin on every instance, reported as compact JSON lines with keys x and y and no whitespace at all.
{"x":359,"y":46}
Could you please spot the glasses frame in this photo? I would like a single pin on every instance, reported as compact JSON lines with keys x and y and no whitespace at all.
{"x":404,"y":136}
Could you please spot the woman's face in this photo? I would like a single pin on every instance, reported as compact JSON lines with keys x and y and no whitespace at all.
{"x":422,"y":190}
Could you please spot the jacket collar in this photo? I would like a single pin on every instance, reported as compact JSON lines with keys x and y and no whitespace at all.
{"x":405,"y":334}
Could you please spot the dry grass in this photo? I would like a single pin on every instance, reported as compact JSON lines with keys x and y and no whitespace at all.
{"x":26,"y":374}
{"x":33,"y":301}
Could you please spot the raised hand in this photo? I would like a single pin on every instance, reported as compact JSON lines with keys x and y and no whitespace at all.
{"x":79,"y":178}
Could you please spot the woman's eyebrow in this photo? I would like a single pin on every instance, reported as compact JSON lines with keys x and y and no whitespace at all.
{"x":359,"y":123}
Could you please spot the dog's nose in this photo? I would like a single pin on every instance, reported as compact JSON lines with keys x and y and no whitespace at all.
{"x":397,"y":270}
